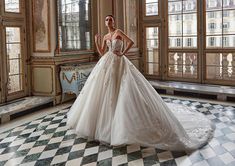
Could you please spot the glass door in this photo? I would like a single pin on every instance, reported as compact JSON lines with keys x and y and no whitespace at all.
{"x":183,"y":49}
{"x":219,"y":51}
{"x":14,"y":60}
{"x":151,"y":50}
{"x":13,"y":51}
{"x":152,"y":34}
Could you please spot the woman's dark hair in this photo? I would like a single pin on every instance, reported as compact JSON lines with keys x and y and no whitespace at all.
{"x":110,"y":15}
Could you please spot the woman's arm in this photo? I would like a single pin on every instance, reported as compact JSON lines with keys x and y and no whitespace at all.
{"x":129,"y":41}
{"x":100,"y":49}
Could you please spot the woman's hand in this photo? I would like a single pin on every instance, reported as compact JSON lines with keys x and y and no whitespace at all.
{"x":118,"y":53}
{"x":97,"y":37}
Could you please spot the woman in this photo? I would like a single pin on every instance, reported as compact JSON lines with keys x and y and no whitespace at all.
{"x":117,"y":105}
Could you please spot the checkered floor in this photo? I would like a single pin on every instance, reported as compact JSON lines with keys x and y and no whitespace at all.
{"x":47,"y":141}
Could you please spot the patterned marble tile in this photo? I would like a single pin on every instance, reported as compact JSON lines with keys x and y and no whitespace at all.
{"x":48,"y":141}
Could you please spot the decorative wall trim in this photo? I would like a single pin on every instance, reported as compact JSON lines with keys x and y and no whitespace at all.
{"x":52,"y":81}
{"x":63,"y":59}
{"x":41,"y":26}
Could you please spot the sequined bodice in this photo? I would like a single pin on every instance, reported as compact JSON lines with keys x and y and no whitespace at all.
{"x":115,"y":45}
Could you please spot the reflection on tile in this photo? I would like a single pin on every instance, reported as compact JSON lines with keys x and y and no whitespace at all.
{"x":227,"y":158}
{"x":164,"y":156}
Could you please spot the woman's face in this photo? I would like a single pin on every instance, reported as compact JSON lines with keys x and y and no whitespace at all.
{"x":109,"y":21}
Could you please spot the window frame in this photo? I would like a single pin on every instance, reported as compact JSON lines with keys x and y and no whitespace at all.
{"x":151,"y":17}
{"x":59,"y":52}
{"x":159,"y":51}
{"x":200,"y":50}
{"x":21,"y":14}
{"x":222,"y":50}
{"x":184,"y":49}
{"x":18,"y":20}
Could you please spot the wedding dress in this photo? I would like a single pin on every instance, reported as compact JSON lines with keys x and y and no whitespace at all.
{"x":117,"y":105}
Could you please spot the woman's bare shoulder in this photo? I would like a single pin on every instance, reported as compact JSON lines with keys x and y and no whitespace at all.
{"x":119,"y":31}
{"x":105,"y":37}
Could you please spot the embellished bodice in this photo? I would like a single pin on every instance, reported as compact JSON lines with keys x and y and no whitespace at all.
{"x":115,"y":45}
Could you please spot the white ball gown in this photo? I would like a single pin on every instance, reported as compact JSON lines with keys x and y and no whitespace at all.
{"x":117,"y":105}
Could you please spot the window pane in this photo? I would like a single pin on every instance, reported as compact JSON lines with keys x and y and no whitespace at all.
{"x":152,"y":68}
{"x":152,"y":55}
{"x":228,"y":4}
{"x":12,"y":35}
{"x":14,"y":84}
{"x":152,"y":50}
{"x":14,"y":61}
{"x":152,"y":33}
{"x":13,"y":51}
{"x":213,"y":24}
{"x":151,"y":7}
{"x":189,"y":6}
{"x":190,"y":24}
{"x":175,"y":7}
{"x":175,"y":58}
{"x":182,"y":21}
{"x":12,"y":6}
{"x":175,"y":71}
{"x":225,"y":41}
{"x":220,"y":26}
{"x":220,"y":66}
{"x":190,"y":42}
{"x":214,"y":41}
{"x":183,"y":65}
{"x":153,"y":43}
{"x":14,"y":66}
{"x":177,"y":31}
{"x":175,"y":42}
{"x":228,"y":22}
{"x":213,"y":72}
{"x":74,"y":25}
{"x":213,"y":5}
{"x":228,"y":41}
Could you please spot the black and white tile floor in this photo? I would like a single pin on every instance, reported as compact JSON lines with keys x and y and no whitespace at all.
{"x":47,"y":141}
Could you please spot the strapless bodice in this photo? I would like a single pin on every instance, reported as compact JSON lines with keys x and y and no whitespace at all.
{"x":115,"y":45}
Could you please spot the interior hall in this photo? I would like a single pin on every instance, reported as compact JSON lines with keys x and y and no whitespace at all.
{"x":185,"y":49}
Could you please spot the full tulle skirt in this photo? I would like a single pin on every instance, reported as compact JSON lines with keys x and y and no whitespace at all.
{"x":118,"y":106}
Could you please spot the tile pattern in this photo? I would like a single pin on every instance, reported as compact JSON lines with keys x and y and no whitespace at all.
{"x":48,"y":141}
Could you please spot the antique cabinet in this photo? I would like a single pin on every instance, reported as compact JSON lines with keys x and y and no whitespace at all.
{"x":73,"y":77}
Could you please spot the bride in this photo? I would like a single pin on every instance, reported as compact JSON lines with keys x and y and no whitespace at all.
{"x":117,"y":105}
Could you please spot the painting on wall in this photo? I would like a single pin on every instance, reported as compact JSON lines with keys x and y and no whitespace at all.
{"x":131,"y":26}
{"x":41,"y":25}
